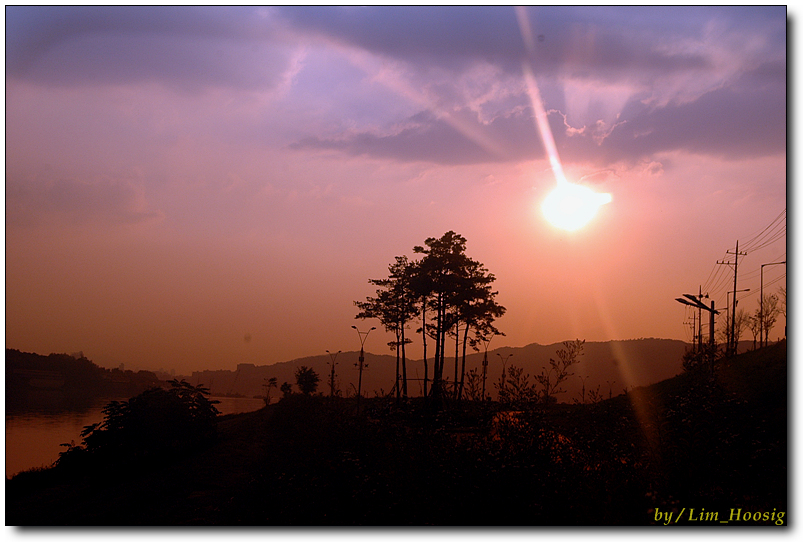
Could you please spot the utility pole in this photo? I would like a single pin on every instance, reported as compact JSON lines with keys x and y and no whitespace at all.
{"x":700,"y":320}
{"x":731,"y":340}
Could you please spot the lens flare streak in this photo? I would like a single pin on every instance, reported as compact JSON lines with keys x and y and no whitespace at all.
{"x":570,"y":206}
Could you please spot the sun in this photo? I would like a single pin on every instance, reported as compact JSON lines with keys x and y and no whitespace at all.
{"x":572,"y":206}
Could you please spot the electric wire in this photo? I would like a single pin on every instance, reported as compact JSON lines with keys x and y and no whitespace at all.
{"x":716,"y":285}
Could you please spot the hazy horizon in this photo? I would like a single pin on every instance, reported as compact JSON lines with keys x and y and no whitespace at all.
{"x":191,"y":188}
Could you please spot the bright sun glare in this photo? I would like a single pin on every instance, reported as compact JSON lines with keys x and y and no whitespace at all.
{"x":569,"y":206}
{"x":572,"y":206}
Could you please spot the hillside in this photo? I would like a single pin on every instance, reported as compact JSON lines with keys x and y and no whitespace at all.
{"x":686,"y":442}
{"x":627,"y":364}
{"x":60,"y":380}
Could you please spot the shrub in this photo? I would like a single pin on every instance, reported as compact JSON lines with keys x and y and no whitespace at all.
{"x":155,"y":423}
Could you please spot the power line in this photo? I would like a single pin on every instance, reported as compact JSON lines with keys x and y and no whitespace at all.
{"x":772,"y":233}
{"x":748,"y":245}
{"x":773,"y":281}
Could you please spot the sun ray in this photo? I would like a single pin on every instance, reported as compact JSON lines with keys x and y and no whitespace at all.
{"x":570,"y":206}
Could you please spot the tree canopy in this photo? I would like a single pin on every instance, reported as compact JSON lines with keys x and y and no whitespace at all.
{"x":307,"y":380}
{"x":447,"y":284}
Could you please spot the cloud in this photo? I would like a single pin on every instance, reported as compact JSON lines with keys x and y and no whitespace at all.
{"x":622,"y":83}
{"x":746,"y":119}
{"x":740,"y":121}
{"x":455,"y":139}
{"x":455,"y":38}
{"x":183,"y":47}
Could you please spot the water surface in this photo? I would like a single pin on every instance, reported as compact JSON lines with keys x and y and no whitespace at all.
{"x":33,"y":436}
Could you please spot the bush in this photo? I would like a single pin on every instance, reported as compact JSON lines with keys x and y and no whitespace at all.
{"x":156,"y":423}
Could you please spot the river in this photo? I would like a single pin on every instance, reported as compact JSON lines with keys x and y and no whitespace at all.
{"x":33,"y":438}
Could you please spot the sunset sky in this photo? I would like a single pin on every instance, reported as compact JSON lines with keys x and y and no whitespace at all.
{"x":196,"y":187}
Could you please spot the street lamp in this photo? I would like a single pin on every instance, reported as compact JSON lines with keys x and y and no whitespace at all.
{"x":697,"y":303}
{"x":363,"y":335}
{"x":583,"y":379}
{"x":332,"y":375}
{"x":761,"y":318}
{"x":504,"y":362}
{"x":485,"y":344}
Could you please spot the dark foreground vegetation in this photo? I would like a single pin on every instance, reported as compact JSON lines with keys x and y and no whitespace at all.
{"x":692,"y":441}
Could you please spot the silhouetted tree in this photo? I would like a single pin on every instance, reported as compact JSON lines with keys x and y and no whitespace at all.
{"x":754,"y":325}
{"x":769,"y":315}
{"x":515,"y":388}
{"x":156,"y":422}
{"x":286,"y":389}
{"x":394,"y":306}
{"x":307,"y":380}
{"x":477,"y":309}
{"x":724,"y":333}
{"x":269,"y":383}
{"x":474,"y":386}
{"x":457,"y":290}
{"x":447,"y":283}
{"x":595,"y":396}
{"x":558,"y":372}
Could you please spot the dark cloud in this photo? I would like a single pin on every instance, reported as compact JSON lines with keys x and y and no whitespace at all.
{"x":420,"y":33}
{"x":747,"y":119}
{"x":595,"y":42}
{"x":730,"y":106}
{"x":188,"y":47}
{"x":427,"y":138}
{"x":739,"y":113}
{"x":738,"y":121}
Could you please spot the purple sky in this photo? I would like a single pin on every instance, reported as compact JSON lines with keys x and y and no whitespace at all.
{"x":192,"y":188}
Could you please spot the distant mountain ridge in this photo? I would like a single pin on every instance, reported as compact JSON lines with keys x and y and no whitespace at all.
{"x":611,"y":365}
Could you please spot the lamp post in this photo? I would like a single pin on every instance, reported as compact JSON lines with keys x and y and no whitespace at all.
{"x":504,"y":362}
{"x":761,"y":318}
{"x":485,"y":344}
{"x":610,"y":387}
{"x":697,"y":303}
{"x":363,"y":335}
{"x":583,"y":379}
{"x":332,"y":375}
